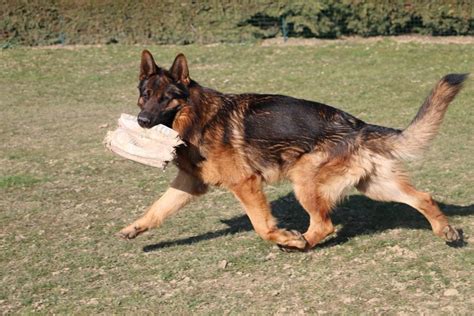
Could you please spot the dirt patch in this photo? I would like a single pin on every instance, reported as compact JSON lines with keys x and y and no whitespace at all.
{"x":466,"y":40}
{"x":68,"y":47}
{"x":277,"y":41}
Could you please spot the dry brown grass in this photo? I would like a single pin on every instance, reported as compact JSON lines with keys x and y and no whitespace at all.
{"x":63,"y":196}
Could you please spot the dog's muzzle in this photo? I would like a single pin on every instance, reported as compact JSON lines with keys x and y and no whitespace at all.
{"x":144,"y":120}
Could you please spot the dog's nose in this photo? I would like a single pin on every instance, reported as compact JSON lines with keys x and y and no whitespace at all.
{"x":143,"y":120}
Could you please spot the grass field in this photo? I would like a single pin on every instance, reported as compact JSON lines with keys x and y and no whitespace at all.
{"x":63,"y":196}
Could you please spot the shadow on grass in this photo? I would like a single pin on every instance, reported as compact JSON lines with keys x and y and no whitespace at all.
{"x":358,"y":215}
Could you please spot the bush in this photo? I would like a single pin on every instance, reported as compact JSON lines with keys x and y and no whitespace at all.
{"x":45,"y":22}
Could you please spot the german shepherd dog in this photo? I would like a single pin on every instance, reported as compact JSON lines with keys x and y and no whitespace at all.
{"x":242,"y":141}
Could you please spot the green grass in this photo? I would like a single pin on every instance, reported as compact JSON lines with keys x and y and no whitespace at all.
{"x":63,"y":196}
{"x":18,"y":181}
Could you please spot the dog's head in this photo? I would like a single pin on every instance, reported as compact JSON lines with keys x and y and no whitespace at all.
{"x":163,"y":93}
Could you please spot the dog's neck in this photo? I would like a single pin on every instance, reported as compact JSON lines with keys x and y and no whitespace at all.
{"x":200,"y":108}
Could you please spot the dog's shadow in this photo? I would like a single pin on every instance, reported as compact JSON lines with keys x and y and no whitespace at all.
{"x":357,"y":215}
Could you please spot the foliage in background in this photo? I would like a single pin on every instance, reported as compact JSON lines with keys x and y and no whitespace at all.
{"x":44,"y":22}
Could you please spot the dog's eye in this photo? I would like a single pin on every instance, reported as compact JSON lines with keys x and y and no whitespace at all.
{"x":146,"y":93}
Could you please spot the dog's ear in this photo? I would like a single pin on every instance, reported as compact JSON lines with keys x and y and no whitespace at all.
{"x":179,"y":70}
{"x":147,"y":66}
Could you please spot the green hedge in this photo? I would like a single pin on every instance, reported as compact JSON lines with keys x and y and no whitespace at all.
{"x":45,"y":22}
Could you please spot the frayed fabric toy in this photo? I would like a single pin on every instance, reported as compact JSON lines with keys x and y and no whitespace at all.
{"x":154,"y":147}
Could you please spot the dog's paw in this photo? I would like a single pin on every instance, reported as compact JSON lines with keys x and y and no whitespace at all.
{"x":450,"y":234}
{"x":295,"y":242}
{"x":454,"y":237}
{"x":131,"y":231}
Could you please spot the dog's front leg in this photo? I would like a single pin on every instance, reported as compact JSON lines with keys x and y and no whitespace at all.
{"x":250,"y":194}
{"x":182,"y":190}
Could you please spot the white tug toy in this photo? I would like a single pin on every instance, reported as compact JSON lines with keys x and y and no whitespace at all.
{"x":153,"y":147}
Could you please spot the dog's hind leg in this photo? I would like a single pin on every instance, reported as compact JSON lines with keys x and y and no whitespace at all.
{"x":318,"y":207}
{"x":319,"y":186}
{"x":182,"y":190}
{"x":390,"y":184}
{"x":250,"y":193}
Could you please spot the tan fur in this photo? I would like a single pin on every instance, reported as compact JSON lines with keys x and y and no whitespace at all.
{"x":416,"y":138}
{"x":390,"y":183}
{"x":250,"y":193}
{"x":182,"y":190}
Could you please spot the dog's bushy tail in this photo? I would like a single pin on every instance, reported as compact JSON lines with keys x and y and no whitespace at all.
{"x":413,"y":141}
